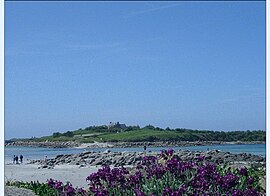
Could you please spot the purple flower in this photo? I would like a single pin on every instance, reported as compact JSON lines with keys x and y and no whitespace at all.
{"x":138,"y":192}
{"x":58,"y":185}
{"x":176,"y":193}
{"x":200,"y":158}
{"x":50,"y":182}
{"x":167,"y":191}
{"x":251,"y":191}
{"x":237,"y":193}
{"x":250,"y":180}
{"x":170,"y":152}
{"x":149,"y":160}
{"x":229,"y":180}
{"x":81,"y":191}
{"x":167,"y":153}
{"x":183,"y":189}
{"x":70,"y":189}
{"x":243,"y":171}
{"x":102,"y":192}
{"x":135,"y":179}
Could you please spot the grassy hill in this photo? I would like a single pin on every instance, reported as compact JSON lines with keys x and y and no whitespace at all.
{"x":150,"y":133}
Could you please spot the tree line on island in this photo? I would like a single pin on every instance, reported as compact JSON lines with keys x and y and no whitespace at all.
{"x":151,"y":133}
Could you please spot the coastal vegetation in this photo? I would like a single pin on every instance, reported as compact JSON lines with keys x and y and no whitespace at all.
{"x":149,"y":134}
{"x":37,"y":187}
{"x":165,"y":175}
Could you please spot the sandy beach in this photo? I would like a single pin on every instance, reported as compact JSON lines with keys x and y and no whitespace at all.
{"x":29,"y":172}
{"x":95,"y":145}
{"x":75,"y":168}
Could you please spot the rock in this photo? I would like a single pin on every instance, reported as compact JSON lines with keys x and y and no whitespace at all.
{"x":15,"y":191}
{"x":107,"y":151}
{"x":58,"y":156}
{"x":209,"y":157}
{"x":133,"y":158}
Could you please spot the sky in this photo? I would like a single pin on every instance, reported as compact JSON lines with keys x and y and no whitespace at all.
{"x":197,"y":65}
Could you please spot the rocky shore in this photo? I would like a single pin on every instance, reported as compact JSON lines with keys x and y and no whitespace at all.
{"x":176,"y":143}
{"x":72,"y":144}
{"x":45,"y":144}
{"x":117,"y":159}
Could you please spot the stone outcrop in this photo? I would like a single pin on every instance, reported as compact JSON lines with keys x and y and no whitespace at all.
{"x":117,"y":159}
{"x":71,"y":144}
{"x":46,"y":144}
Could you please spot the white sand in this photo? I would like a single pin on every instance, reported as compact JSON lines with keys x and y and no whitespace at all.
{"x":74,"y":174}
{"x":95,"y":145}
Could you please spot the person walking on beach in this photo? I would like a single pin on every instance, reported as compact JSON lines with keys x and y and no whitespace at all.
{"x":14,"y":159}
{"x":21,"y":159}
{"x":45,"y":160}
{"x":144,"y":149}
{"x":17,"y":159}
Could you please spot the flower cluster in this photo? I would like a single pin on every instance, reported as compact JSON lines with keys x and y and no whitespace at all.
{"x":171,"y":178}
{"x":135,"y":180}
{"x":106,"y":179}
{"x":167,"y":153}
{"x":149,"y":160}
{"x":65,"y":189}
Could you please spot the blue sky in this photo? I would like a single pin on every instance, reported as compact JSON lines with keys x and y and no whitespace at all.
{"x":170,"y":64}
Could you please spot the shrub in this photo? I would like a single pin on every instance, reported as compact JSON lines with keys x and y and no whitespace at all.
{"x":68,"y":134}
{"x":56,"y":134}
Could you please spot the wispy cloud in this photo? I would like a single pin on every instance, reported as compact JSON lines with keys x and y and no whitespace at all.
{"x":154,"y":9}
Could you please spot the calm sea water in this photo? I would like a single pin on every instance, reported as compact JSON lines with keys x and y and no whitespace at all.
{"x":39,"y":153}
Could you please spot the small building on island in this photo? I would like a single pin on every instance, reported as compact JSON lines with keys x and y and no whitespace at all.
{"x":116,"y":125}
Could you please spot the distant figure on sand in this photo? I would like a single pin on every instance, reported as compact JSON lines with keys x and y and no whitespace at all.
{"x":17,"y":159}
{"x":14,"y":159}
{"x":45,"y":160}
{"x":144,"y":149}
{"x":21,"y":159}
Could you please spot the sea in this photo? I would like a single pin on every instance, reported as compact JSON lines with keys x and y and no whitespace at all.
{"x":30,"y":153}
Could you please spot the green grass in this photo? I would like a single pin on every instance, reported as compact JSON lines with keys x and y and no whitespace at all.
{"x":139,"y":135}
{"x":151,"y":134}
{"x":146,"y":135}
